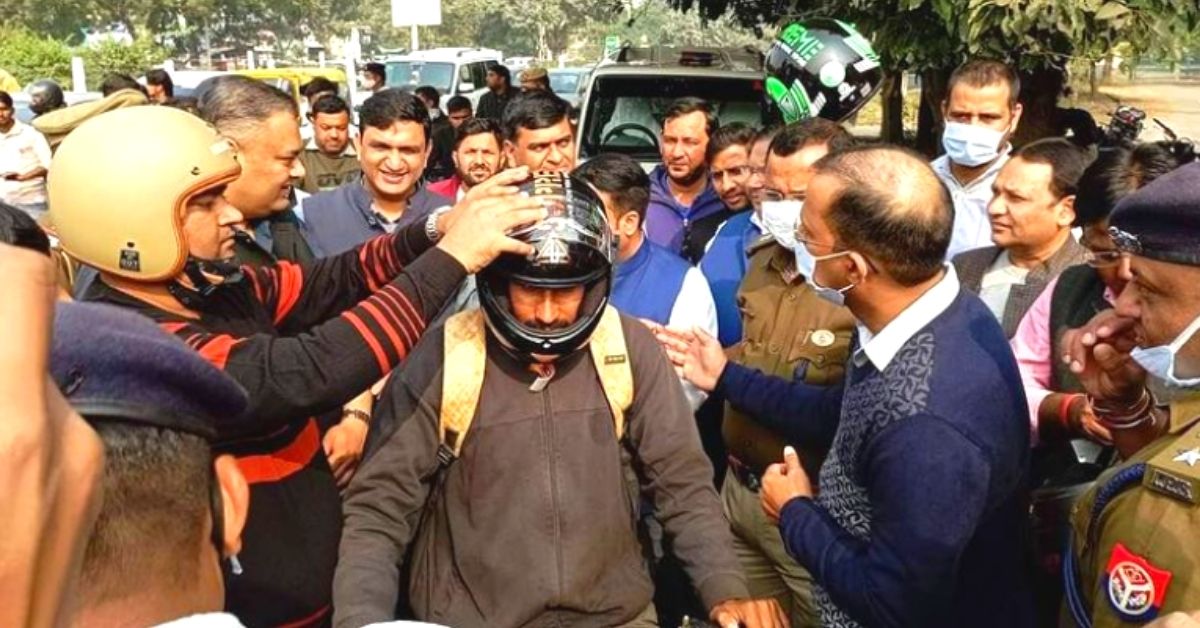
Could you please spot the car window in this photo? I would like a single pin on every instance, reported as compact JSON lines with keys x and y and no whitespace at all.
{"x":464,"y":73}
{"x":625,"y":114}
{"x":413,"y":74}
{"x":479,"y":74}
{"x":564,"y":82}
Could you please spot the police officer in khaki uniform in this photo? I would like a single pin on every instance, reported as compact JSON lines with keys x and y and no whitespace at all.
{"x":788,"y":332}
{"x":1134,"y":547}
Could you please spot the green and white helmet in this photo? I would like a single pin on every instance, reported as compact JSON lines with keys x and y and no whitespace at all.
{"x":821,"y":68}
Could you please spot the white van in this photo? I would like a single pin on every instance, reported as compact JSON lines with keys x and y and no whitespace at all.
{"x":453,"y":71}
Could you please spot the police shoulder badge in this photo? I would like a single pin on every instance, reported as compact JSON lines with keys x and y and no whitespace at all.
{"x":1135,"y":588}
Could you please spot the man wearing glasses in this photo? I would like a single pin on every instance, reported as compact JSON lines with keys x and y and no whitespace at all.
{"x":1061,"y":417}
{"x":1031,"y":212}
{"x":1057,"y":408}
{"x":790,"y":333}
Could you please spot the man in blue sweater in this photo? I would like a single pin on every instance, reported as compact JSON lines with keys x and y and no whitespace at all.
{"x":725,"y":260}
{"x":920,"y":517}
{"x":685,"y":210}
{"x":649,"y":282}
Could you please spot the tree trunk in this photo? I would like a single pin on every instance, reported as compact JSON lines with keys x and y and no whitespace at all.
{"x":1039,"y":97}
{"x":929,"y":116}
{"x":1093,"y":82}
{"x":1106,"y":76}
{"x":892,"y":97}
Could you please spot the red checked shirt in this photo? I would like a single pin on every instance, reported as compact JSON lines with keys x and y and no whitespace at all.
{"x":303,"y":339}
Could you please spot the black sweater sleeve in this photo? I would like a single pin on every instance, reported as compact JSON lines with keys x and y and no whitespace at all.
{"x":299,"y":296}
{"x":321,"y":368}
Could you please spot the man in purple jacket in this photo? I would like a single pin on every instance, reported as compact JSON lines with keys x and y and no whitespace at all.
{"x":685,"y":211}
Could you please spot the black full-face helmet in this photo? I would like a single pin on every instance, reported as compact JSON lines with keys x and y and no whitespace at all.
{"x":45,"y":96}
{"x":821,"y":68}
{"x":573,"y":246}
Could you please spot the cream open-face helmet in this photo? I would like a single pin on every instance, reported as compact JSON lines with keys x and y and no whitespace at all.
{"x":119,"y":185}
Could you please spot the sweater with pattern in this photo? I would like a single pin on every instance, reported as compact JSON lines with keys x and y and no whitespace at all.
{"x":920,"y":517}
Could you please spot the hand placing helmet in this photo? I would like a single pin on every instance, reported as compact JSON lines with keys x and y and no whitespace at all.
{"x":573,"y":247}
{"x":120,"y":184}
{"x":821,"y":68}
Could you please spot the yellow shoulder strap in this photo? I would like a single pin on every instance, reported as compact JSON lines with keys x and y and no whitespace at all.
{"x":611,"y":358}
{"x":465,"y":354}
{"x":462,"y":377}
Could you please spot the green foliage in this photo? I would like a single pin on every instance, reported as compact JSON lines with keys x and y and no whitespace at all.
{"x":109,"y":57}
{"x":1035,"y":34}
{"x":29,"y":57}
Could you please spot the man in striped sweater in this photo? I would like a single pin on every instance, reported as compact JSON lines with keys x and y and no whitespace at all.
{"x":302,"y":339}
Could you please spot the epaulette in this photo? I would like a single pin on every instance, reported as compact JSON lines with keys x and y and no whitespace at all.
{"x":1175,"y":471}
{"x":759,"y":244}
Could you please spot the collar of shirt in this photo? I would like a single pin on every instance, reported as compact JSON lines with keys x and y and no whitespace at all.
{"x":882,"y":347}
{"x":756,"y":221}
{"x":941,"y":166}
{"x":18,"y":128}
{"x":204,"y":620}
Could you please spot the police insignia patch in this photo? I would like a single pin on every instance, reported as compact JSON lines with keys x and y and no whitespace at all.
{"x":1135,"y":588}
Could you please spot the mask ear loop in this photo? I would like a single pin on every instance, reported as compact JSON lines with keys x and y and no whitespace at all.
{"x":217,"y":508}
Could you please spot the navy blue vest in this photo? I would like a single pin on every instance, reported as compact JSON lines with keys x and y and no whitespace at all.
{"x":647,"y":284}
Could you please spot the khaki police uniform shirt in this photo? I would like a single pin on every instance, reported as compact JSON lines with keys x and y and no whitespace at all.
{"x":1143,"y":559}
{"x":789,"y":332}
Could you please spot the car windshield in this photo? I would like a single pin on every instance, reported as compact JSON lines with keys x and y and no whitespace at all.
{"x":412,"y":74}
{"x":565,"y":82}
{"x":625,"y":114}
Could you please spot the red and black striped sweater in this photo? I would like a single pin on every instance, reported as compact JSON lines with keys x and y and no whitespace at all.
{"x":303,"y":339}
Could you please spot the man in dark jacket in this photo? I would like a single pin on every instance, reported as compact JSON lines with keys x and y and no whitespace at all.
{"x":302,"y":339}
{"x":529,"y":518}
{"x":500,"y":91}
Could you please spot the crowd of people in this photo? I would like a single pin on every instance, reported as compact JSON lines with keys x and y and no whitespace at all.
{"x":423,"y":365}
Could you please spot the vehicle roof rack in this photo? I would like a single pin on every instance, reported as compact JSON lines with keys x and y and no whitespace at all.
{"x":746,"y":58}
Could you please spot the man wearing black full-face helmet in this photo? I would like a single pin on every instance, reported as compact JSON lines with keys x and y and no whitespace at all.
{"x":301,"y":338}
{"x":551,"y":400}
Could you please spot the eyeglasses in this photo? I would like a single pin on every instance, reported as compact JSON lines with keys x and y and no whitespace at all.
{"x":1102,"y":259}
{"x":775,"y":196}
{"x":803,"y":237}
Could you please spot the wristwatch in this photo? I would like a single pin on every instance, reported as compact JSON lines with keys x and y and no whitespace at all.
{"x":431,"y":230}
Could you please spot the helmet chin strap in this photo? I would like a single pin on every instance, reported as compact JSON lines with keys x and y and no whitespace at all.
{"x":199,"y":273}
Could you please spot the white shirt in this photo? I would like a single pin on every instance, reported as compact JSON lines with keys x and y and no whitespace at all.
{"x":22,"y":150}
{"x":881,"y":348}
{"x":205,"y":620}
{"x":694,"y":307}
{"x":972,"y":228}
{"x":997,"y":284}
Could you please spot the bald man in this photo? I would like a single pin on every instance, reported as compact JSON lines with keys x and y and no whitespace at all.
{"x":920,"y":515}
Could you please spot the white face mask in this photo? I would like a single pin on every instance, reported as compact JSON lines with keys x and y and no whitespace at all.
{"x":970,"y":145}
{"x":836,"y":296}
{"x":1160,"y":361}
{"x":779,"y":219}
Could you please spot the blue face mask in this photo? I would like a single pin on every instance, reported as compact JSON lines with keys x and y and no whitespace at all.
{"x":1160,"y":361}
{"x":969,"y":145}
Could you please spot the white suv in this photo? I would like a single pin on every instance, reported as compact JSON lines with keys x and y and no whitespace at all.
{"x":627,"y":98}
{"x":453,"y":71}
